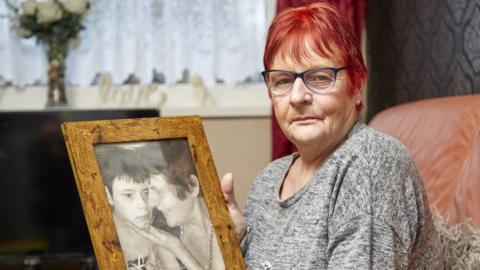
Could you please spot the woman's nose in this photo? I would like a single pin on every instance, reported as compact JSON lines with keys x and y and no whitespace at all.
{"x":300,"y":93}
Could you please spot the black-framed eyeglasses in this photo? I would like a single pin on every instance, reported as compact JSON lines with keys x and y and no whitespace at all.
{"x":317,"y":80}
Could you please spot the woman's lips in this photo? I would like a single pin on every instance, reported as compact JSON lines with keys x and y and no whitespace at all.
{"x":306,"y":119}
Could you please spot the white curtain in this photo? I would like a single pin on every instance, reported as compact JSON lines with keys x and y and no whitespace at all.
{"x":220,"y":40}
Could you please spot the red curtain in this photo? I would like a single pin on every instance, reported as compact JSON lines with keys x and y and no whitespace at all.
{"x":354,"y":11}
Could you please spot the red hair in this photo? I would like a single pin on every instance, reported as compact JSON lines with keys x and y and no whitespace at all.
{"x":318,"y":27}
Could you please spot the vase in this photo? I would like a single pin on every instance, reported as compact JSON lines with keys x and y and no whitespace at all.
{"x":56,"y":75}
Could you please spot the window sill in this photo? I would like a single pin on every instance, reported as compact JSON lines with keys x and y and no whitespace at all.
{"x":185,"y":99}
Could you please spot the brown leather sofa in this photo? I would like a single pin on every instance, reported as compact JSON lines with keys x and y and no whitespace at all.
{"x":443,"y":136}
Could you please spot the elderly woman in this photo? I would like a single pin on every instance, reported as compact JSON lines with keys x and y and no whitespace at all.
{"x":351,"y":197}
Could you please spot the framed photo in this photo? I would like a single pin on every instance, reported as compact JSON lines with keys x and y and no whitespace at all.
{"x":151,"y":195}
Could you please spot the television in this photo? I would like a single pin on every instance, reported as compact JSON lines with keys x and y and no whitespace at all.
{"x":41,"y":219}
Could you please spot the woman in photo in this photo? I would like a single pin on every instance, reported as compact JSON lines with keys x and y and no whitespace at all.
{"x":187,"y":210}
{"x":176,"y":193}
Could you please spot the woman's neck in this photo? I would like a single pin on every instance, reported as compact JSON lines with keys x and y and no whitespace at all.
{"x":198,"y":234}
{"x":311,"y":157}
{"x":298,"y":176}
{"x":199,"y":217}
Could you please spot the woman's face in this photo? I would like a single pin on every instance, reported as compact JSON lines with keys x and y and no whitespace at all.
{"x":315,"y":120}
{"x":164,"y":196}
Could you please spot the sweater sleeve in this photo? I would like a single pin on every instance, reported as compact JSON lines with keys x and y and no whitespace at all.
{"x":379,"y":210}
{"x":364,"y":242}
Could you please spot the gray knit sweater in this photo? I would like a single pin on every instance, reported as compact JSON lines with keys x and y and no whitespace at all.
{"x":365,"y":208}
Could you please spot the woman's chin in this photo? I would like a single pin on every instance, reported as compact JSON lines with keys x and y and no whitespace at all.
{"x":306,"y":135}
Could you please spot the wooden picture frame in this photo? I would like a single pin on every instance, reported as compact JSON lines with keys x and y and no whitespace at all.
{"x":93,"y":148}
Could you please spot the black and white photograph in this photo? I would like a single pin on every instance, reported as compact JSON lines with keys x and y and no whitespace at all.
{"x":158,"y":208}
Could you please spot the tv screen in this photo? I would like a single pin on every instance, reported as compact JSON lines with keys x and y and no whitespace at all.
{"x":40,"y":210}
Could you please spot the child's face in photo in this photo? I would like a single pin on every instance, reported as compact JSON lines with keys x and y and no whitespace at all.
{"x":130,"y":201}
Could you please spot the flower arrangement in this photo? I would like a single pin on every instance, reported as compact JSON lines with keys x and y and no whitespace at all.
{"x":53,"y":23}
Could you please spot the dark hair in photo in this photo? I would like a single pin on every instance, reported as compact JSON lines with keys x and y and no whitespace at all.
{"x":134,"y":163}
{"x":180,"y":165}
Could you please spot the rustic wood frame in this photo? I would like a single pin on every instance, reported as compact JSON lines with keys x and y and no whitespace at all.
{"x":80,"y":138}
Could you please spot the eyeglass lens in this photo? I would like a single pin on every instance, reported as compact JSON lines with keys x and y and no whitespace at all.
{"x":316,"y":79}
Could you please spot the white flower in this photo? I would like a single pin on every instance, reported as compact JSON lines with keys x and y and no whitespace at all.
{"x":48,"y":12}
{"x":29,"y":7}
{"x":75,"y":6}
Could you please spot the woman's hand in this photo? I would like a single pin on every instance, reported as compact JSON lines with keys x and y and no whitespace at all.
{"x":171,"y":243}
{"x":235,"y":213}
{"x":157,"y":236}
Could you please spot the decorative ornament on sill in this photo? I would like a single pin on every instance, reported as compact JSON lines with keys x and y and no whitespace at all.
{"x":53,"y":23}
{"x":201,"y":94}
{"x":130,"y":95}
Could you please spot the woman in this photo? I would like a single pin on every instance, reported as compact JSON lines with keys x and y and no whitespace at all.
{"x":175,"y":193}
{"x":188,"y":212}
{"x":350,"y":198}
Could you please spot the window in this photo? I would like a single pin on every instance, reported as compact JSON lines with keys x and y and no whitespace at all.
{"x":165,"y":41}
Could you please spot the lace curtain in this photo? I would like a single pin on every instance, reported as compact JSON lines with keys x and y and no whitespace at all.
{"x":220,"y":40}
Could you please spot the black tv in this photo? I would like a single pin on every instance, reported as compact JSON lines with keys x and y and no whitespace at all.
{"x":40,"y":211}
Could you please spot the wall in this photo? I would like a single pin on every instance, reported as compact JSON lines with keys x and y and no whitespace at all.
{"x":419,"y":49}
{"x":241,"y":146}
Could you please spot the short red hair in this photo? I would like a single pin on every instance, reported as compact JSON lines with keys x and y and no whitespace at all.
{"x":320,"y":27}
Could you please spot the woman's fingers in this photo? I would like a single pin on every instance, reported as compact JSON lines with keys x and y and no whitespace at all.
{"x":228,"y":191}
{"x":235,"y":212}
{"x":155,"y":235}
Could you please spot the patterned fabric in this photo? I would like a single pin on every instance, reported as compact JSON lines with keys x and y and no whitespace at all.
{"x":365,"y":208}
{"x":140,"y":263}
{"x":421,"y":49}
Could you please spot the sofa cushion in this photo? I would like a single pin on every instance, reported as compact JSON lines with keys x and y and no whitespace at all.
{"x":443,"y":136}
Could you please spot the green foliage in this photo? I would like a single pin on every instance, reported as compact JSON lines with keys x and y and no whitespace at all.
{"x":56,"y":32}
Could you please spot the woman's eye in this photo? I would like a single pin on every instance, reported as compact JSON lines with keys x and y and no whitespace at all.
{"x":283,"y":81}
{"x":320,"y":78}
{"x":127,"y":195}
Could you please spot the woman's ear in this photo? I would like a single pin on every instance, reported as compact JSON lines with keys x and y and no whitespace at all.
{"x":195,"y":184}
{"x":109,"y":196}
{"x":359,"y":93}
